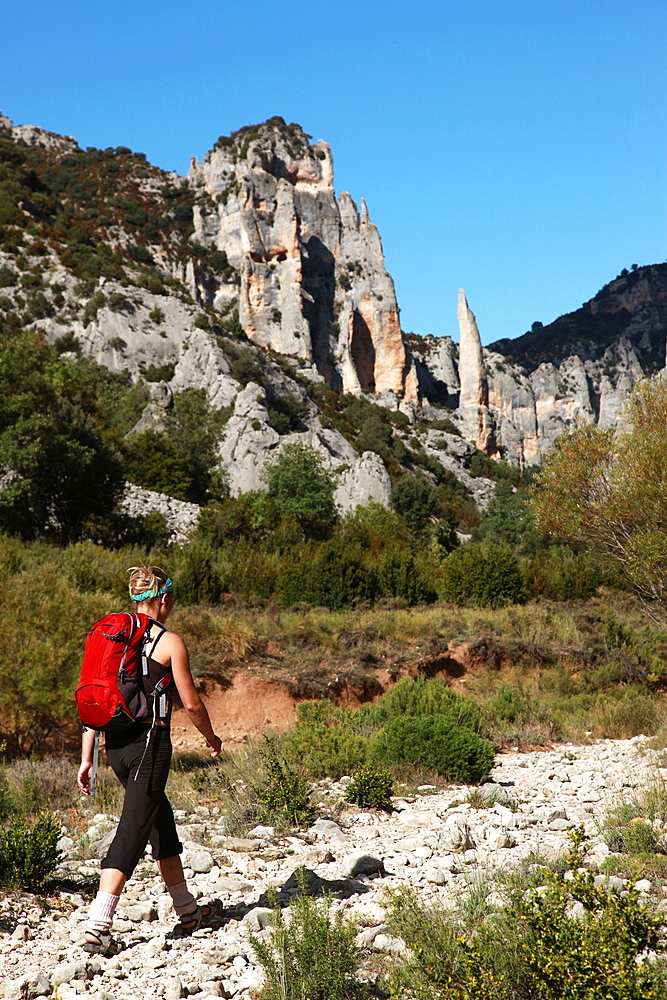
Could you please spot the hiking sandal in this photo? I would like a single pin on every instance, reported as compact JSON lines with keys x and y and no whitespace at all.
{"x":101,"y":943}
{"x":201,"y":916}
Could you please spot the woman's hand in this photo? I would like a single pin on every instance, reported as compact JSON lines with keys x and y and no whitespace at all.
{"x":84,"y":776}
{"x":215,"y":743}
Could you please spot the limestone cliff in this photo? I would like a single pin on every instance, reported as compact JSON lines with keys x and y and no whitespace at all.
{"x":252,"y":280}
{"x":309,"y":275}
{"x":516,"y":397}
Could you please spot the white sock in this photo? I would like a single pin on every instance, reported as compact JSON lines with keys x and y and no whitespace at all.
{"x":183,"y":900}
{"x":102,"y":911}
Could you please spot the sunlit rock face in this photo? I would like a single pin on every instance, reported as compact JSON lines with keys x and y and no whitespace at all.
{"x":476,"y":420}
{"x":308,"y":277}
{"x":514,"y":398}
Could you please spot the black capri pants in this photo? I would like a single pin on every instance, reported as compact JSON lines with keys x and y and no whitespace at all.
{"x":147,"y":815}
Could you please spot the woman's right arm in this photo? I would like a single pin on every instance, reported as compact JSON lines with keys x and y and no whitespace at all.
{"x":190,"y":699}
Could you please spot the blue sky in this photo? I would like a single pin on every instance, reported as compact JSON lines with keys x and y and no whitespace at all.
{"x":516,"y":149}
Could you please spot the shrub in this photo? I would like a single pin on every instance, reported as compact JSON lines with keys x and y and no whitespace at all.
{"x":202,"y":322}
{"x":33,"y":786}
{"x":426,"y":696}
{"x":28,"y":854}
{"x":565,"y":957}
{"x":285,"y":790}
{"x":313,"y":957}
{"x":333,"y":579}
{"x":300,"y":485}
{"x":96,"y":301}
{"x":286,"y":413}
{"x":371,"y":788}
{"x":199,"y":580}
{"x":324,"y":739}
{"x":562,"y":575}
{"x":438,"y":743}
{"x":633,"y":826}
{"x":153,"y":461}
{"x":446,"y":425}
{"x":42,"y":628}
{"x":119,"y":302}
{"x":400,"y":577}
{"x":159,"y":373}
{"x":535,"y":947}
{"x":245,"y":367}
{"x":416,"y":500}
{"x":483,"y":576}
{"x":7,"y":276}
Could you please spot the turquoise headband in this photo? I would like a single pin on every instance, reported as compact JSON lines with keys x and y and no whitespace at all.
{"x":166,"y":588}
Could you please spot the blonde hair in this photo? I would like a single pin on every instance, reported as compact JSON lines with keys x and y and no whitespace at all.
{"x":146,"y":580}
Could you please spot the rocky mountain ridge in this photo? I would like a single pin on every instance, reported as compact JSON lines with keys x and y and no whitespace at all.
{"x":250,"y":279}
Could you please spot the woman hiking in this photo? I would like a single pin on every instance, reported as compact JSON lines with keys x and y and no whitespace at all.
{"x":142,"y":766}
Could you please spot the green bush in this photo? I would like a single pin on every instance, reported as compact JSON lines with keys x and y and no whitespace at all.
{"x":42,"y":629}
{"x":28,"y":854}
{"x":332,"y":579}
{"x":159,"y":373}
{"x":245,"y":366}
{"x":596,"y":957}
{"x":634,"y":826}
{"x":416,"y":500}
{"x":482,"y":576}
{"x":314,"y":957}
{"x":7,"y":276}
{"x":426,"y":696}
{"x":371,"y":788}
{"x":301,"y":486}
{"x":559,"y":574}
{"x":329,"y":746}
{"x":400,"y":577}
{"x":198,"y":579}
{"x":438,"y":743}
{"x":286,"y":412}
{"x":446,"y":425}
{"x":153,"y":461}
{"x":535,"y":948}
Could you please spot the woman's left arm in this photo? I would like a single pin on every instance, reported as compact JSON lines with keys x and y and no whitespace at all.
{"x":86,"y":768}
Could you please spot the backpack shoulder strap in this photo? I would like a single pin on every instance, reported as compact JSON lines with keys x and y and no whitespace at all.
{"x":148,"y":647}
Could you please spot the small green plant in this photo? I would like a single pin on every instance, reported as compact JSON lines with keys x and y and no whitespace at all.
{"x":371,"y":788}
{"x":597,"y":955}
{"x":28,"y":854}
{"x":7,"y":276}
{"x":159,"y":373}
{"x":568,"y":940}
{"x":156,"y":315}
{"x":313,"y":957}
{"x":119,"y":302}
{"x":632,"y":826}
{"x":202,"y":322}
{"x":285,"y":791}
{"x":94,"y":303}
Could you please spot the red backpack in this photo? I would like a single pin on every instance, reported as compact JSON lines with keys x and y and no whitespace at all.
{"x":111,"y":693}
